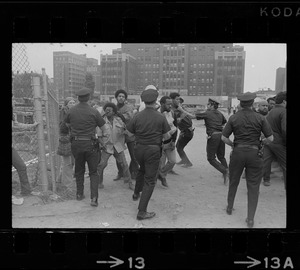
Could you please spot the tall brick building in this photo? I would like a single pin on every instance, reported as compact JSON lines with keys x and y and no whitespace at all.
{"x":190,"y":68}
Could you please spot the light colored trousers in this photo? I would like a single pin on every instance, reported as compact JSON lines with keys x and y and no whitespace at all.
{"x":168,"y":153}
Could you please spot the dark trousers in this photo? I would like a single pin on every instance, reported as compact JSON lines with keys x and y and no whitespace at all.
{"x":245,"y":158}
{"x":85,"y":151}
{"x":215,"y":146}
{"x":182,"y":141}
{"x":20,"y":166}
{"x":148,"y":157}
{"x":133,"y":165}
{"x":274,"y":151}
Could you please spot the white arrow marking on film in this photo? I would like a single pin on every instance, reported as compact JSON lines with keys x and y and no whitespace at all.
{"x":116,"y":261}
{"x":252,"y":263}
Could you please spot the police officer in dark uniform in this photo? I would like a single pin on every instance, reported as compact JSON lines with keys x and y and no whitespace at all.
{"x":150,"y":127}
{"x":83,"y":120}
{"x":246,"y":125}
{"x":214,"y":122}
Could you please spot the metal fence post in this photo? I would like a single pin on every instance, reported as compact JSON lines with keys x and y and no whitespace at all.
{"x":48,"y":129}
{"x":40,"y":131}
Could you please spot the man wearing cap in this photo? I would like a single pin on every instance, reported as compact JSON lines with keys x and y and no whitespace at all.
{"x":127,"y":111}
{"x":150,"y":128}
{"x":83,"y":120}
{"x":214,"y":122}
{"x":247,"y":126}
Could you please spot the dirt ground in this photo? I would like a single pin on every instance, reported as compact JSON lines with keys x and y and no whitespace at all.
{"x":196,"y":198}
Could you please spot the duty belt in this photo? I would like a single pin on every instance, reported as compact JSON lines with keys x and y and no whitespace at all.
{"x":247,"y":146}
{"x":80,"y":138}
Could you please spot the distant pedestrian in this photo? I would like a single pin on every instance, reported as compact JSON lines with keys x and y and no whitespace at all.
{"x":114,"y":145}
{"x":214,"y":122}
{"x":234,"y":109}
{"x":229,"y":110}
{"x":150,"y":128}
{"x":247,"y":126}
{"x":277,"y":148}
{"x":83,"y":120}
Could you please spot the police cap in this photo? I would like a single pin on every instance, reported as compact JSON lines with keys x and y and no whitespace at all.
{"x":150,"y":94}
{"x":248,"y":96}
{"x":83,"y":91}
{"x":210,"y":100}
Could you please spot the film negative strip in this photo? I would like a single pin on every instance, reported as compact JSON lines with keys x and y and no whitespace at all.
{"x":159,"y":247}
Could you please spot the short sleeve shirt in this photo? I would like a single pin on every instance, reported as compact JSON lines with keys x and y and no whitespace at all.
{"x":247,"y":125}
{"x":83,"y":120}
{"x":148,"y":126}
{"x":214,"y":120}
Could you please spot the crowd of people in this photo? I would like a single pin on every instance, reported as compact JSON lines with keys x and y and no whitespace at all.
{"x":159,"y":128}
{"x":153,"y":134}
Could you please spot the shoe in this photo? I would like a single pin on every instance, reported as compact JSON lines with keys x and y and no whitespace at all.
{"x":226,"y":177}
{"x":100,"y":186}
{"x":173,"y":172}
{"x":164,"y":182}
{"x":118,"y":177}
{"x":250,"y":222}
{"x":135,"y":197}
{"x":228,"y":210}
{"x":181,"y":162}
{"x":131,"y":185}
{"x":145,"y":215}
{"x":94,"y":202}
{"x":80,"y":197}
{"x":187,"y":165}
{"x":266,"y":183}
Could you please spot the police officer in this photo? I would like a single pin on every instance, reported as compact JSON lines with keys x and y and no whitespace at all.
{"x":150,"y":127}
{"x":246,"y":125}
{"x":214,"y":122}
{"x":83,"y":120}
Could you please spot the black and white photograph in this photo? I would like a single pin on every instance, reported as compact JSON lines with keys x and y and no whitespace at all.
{"x":149,"y":135}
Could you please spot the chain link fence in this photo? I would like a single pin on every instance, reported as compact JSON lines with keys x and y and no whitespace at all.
{"x":26,"y":142}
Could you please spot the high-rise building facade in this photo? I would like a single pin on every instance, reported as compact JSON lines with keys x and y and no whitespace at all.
{"x":280,"y":83}
{"x":69,"y":71}
{"x":118,"y":71}
{"x":229,"y":71}
{"x":188,"y":68}
{"x":147,"y":57}
{"x":201,"y":67}
{"x":93,"y":68}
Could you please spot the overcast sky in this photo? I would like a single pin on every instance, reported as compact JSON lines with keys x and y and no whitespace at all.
{"x":262,"y":60}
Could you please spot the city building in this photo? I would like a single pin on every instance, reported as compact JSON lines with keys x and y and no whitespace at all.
{"x":229,"y":71}
{"x":93,"y":68}
{"x":201,"y":67}
{"x":147,"y":57}
{"x":69,"y":70}
{"x":280,"y":83}
{"x":185,"y":68}
{"x":118,"y":71}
